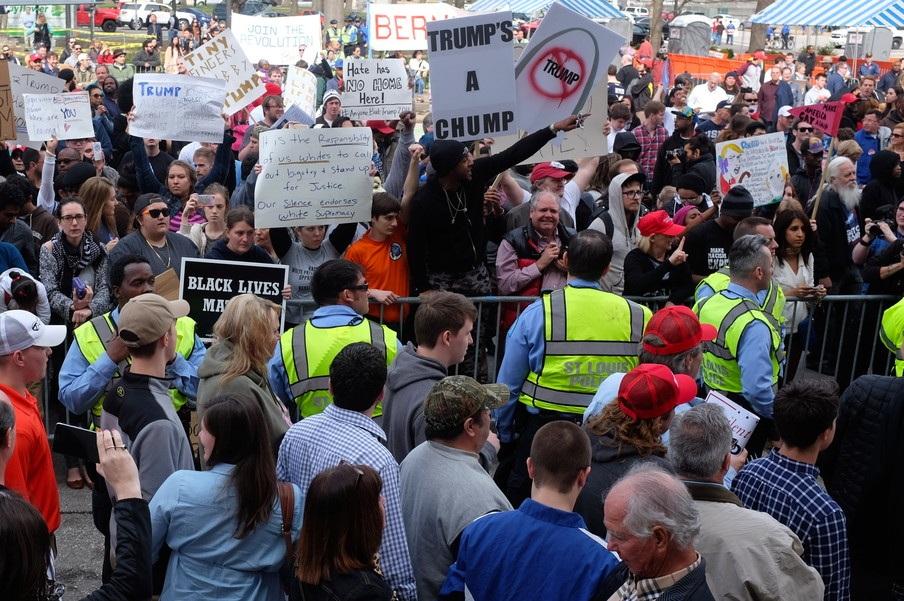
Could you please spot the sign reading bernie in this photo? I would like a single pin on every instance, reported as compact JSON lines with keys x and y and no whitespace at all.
{"x":222,"y":58}
{"x":314,"y":177}
{"x":472,"y":79}
{"x":375,"y":89}
{"x":404,"y":26}
{"x":208,"y":284}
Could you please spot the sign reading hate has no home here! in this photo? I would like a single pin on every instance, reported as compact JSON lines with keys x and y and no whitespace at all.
{"x":375,"y":89}
{"x":314,"y":177}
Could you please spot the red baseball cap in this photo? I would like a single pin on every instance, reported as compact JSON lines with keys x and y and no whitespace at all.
{"x":658,"y":222}
{"x":679,"y":328}
{"x":554,"y":169}
{"x":382,"y":127}
{"x":651,"y":390}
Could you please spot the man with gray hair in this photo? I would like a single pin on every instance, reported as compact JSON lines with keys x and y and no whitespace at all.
{"x":750,"y":555}
{"x":743,"y":361}
{"x":651,"y":523}
{"x":838,"y":223}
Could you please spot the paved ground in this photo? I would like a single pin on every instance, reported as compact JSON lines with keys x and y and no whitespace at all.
{"x":81,"y":546}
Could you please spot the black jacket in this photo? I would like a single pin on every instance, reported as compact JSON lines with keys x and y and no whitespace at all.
{"x":437,"y":243}
{"x":692,"y":587}
{"x":610,"y":461}
{"x":862,"y":472}
{"x":705,"y":167}
{"x":832,"y":230}
{"x":131,"y":579}
{"x":662,"y":172}
{"x":891,"y":285}
{"x":363,"y":585}
{"x":883,"y":188}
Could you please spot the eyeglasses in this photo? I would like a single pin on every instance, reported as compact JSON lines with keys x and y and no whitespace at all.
{"x":358,"y":472}
{"x":72,"y":218}
{"x":634,"y":193}
{"x":273,"y":106}
{"x":363,"y":287}
{"x":97,"y":95}
{"x":156,"y":213}
{"x":805,"y":130}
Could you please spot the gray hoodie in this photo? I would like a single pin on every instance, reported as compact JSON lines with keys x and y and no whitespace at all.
{"x":624,"y":237}
{"x":409,"y":381}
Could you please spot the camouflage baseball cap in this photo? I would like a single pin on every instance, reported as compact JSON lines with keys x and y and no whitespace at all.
{"x":456,"y":398}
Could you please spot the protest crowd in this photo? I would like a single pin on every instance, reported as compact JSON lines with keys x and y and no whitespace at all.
{"x":666,"y":403}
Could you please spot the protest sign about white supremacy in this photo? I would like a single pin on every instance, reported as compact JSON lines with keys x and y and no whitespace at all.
{"x":277,"y":39}
{"x":375,"y":89}
{"x":66,"y":116}
{"x":25,"y":81}
{"x":314,"y":177}
{"x":178,"y":107}
{"x":208,"y":284}
{"x":222,"y":58}
{"x":472,"y":79}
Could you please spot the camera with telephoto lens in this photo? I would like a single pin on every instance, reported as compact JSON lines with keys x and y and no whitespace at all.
{"x":676,"y":153}
{"x":875,"y":231}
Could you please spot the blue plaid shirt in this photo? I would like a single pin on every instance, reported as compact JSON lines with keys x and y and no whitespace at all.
{"x":320,"y":442}
{"x":788,"y":491}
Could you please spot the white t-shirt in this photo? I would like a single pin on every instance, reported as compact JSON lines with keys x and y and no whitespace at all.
{"x":704,"y":100}
{"x":815,"y":95}
{"x":784,"y":276}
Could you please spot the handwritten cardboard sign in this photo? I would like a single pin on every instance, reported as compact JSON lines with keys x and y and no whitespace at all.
{"x":404,"y":26}
{"x":375,"y":89}
{"x":178,"y":107}
{"x":278,"y":39}
{"x":222,"y":58}
{"x":557,"y":71}
{"x":472,"y":80}
{"x":25,"y":81}
{"x":66,"y":116}
{"x":7,"y":116}
{"x":742,"y":422}
{"x":208,"y":284}
{"x":314,"y":177}
{"x":825,"y":116}
{"x":300,"y":89}
{"x":759,"y":163}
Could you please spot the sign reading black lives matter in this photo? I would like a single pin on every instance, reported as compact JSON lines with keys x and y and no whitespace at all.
{"x":208,"y":285}
{"x":472,"y":76}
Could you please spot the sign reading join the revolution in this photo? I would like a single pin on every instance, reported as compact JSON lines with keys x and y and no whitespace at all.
{"x":300,"y":89}
{"x":222,"y":58}
{"x":375,"y":89}
{"x":208,"y":284}
{"x":278,"y":39}
{"x":314,"y":177}
{"x":404,"y":26}
{"x":556,"y":72}
{"x":66,"y":116}
{"x":178,"y":107}
{"x":472,"y":80}
{"x":25,"y":81}
{"x":760,"y":164}
{"x":825,"y":116}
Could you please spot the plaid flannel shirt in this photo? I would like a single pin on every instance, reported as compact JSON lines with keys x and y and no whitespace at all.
{"x":650,"y":143}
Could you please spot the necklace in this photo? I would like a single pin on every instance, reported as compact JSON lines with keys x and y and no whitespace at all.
{"x":169,"y":255}
{"x":460,"y":205}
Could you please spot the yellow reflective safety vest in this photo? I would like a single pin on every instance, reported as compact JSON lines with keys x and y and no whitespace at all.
{"x":773,"y":305}
{"x":308,"y":350}
{"x":891,"y":334}
{"x":589,"y":335}
{"x":94,"y":335}
{"x":731,"y":317}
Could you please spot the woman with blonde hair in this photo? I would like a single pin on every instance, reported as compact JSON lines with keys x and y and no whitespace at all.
{"x":896,"y":143}
{"x":99,"y":198}
{"x":236,"y":364}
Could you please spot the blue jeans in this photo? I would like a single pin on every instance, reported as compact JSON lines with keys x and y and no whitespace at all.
{"x":419,"y":85}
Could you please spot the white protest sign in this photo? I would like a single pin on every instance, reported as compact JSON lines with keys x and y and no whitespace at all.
{"x":742,"y":422}
{"x":556,"y":72}
{"x":760,"y":164}
{"x":222,"y":58}
{"x":314,"y":177}
{"x":585,"y":141}
{"x":375,"y":89}
{"x":472,"y":80}
{"x":404,"y":26}
{"x":66,"y":116}
{"x":300,"y":89}
{"x":25,"y":81}
{"x":178,"y":107}
{"x":278,"y":39}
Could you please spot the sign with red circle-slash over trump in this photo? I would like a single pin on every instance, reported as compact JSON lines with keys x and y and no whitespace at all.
{"x":556,"y":72}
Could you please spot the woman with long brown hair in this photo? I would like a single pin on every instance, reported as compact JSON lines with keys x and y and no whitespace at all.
{"x":342,"y":530}
{"x":99,"y":198}
{"x":224,"y":526}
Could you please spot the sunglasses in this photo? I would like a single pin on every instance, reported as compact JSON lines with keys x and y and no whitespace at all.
{"x":156,"y":213}
{"x":362,"y":287}
{"x":806,"y":130}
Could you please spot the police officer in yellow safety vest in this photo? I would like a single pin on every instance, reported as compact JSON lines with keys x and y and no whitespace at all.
{"x":561,"y":348}
{"x":772,"y":299}
{"x":97,"y":355}
{"x":743,"y":361}
{"x":892,"y":334}
{"x":299,"y":370}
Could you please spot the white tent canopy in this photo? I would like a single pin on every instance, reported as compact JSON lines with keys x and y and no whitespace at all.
{"x":834,"y":13}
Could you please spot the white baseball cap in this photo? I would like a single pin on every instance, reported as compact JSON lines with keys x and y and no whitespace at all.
{"x":784,"y":111}
{"x":20,"y":330}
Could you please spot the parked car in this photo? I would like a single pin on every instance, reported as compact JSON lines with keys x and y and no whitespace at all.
{"x":252,"y":7}
{"x":636,"y":11}
{"x":104,"y":17}
{"x":642,"y":28}
{"x":136,"y":15}
{"x":187,"y":14}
